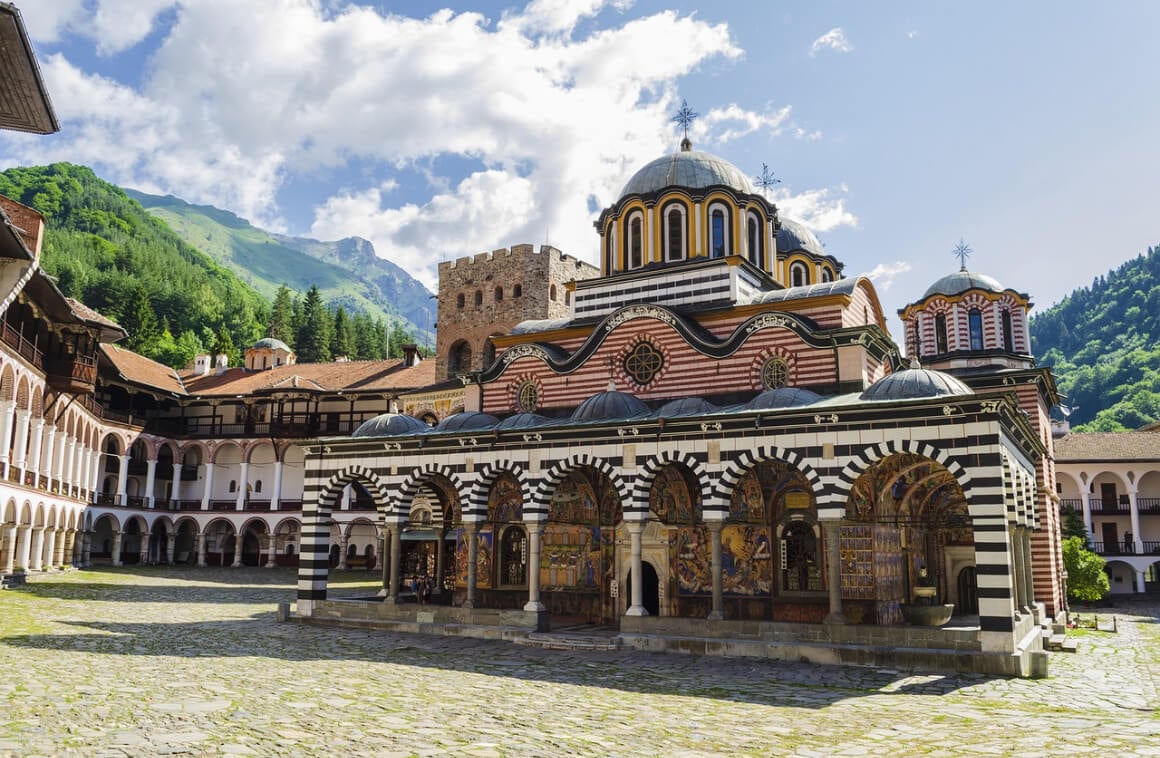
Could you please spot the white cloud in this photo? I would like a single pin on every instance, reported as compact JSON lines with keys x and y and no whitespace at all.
{"x":540,"y":122}
{"x":113,"y":25}
{"x":815,"y":208}
{"x":884,"y":274}
{"x":835,"y":39}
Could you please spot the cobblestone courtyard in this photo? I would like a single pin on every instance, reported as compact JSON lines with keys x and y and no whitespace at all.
{"x":160,"y":661}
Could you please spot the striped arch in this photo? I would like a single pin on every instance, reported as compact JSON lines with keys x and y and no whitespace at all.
{"x":874,"y":453}
{"x":477,"y":501}
{"x":652,"y":467}
{"x":401,"y":507}
{"x":743,"y":463}
{"x":330,"y":492}
{"x":560,"y":471}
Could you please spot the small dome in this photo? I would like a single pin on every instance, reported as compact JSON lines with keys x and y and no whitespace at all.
{"x":783,"y":397}
{"x":522,"y":421}
{"x":270,"y":343}
{"x":685,"y":406}
{"x":390,"y":425}
{"x":687,"y":168}
{"x":610,"y":406}
{"x":466,"y":421}
{"x":794,"y":235}
{"x":961,"y":281}
{"x":914,"y":383}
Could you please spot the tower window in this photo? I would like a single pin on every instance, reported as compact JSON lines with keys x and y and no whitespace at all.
{"x":718,"y":242}
{"x":636,"y":242}
{"x":460,"y":301}
{"x":975,"y":326}
{"x":940,"y":333}
{"x":1008,"y":333}
{"x":499,"y":294}
{"x":518,"y":290}
{"x":478,"y":298}
{"x":753,"y":229}
{"x":916,"y":336}
{"x":799,"y":274}
{"x":552,"y":293}
{"x":675,"y":232}
{"x":827,"y":275}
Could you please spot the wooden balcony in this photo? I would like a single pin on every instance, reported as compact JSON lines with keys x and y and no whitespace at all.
{"x":73,"y":374}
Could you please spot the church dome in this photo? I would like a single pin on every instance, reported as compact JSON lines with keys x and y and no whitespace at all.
{"x":687,"y":168}
{"x":390,"y":425}
{"x":915,"y":383}
{"x":783,"y":397}
{"x":270,"y":343}
{"x":522,"y":421}
{"x":793,"y":235}
{"x":961,"y":281}
{"x":686,"y":406}
{"x":610,"y":406}
{"x":466,"y":421}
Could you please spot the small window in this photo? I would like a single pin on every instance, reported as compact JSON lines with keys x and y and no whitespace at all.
{"x":499,"y":294}
{"x":975,"y":326}
{"x":940,"y":333}
{"x":754,"y":235}
{"x":478,"y":298}
{"x":636,"y":242}
{"x":518,"y":290}
{"x":827,"y":275}
{"x":718,"y":242}
{"x":1008,"y":333}
{"x":917,"y":341}
{"x":258,"y":486}
{"x":775,"y":373}
{"x":552,"y":293}
{"x":460,"y":301}
{"x":799,"y":274}
{"x":675,"y":232}
{"x":568,"y":297}
{"x":233,"y":485}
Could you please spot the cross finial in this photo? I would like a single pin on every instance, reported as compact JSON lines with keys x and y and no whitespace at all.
{"x":685,"y":117}
{"x":962,"y":251}
{"x":767,"y":180}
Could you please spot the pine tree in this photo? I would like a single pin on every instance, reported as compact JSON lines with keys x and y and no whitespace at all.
{"x":282,"y":316}
{"x":342,"y":341}
{"x":314,"y":335}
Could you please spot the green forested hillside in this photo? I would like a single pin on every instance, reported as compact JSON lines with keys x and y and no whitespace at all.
{"x":346,"y":272}
{"x":174,"y":300}
{"x":1104,"y":344}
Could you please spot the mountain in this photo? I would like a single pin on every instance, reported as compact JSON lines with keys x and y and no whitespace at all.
{"x":347,"y":272}
{"x":1104,"y":344}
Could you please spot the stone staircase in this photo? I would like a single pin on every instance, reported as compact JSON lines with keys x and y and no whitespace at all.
{"x":579,"y":637}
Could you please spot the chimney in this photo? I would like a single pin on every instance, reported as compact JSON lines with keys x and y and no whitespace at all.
{"x":201,"y":365}
{"x":411,"y":355}
{"x":222,"y":363}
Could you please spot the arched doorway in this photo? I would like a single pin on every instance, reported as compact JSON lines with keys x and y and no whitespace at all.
{"x":158,"y":543}
{"x":650,"y":596}
{"x":968,"y":588}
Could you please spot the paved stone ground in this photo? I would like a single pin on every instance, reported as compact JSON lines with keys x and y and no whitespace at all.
{"x":163,"y":661}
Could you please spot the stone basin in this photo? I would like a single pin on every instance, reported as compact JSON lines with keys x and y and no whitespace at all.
{"x":928,"y":615}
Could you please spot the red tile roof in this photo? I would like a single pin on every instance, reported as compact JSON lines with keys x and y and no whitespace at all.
{"x":385,"y":375}
{"x":1108,"y":446}
{"x":142,"y":370}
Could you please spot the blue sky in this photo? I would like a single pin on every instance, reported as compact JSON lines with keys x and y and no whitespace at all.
{"x":1026,"y":129}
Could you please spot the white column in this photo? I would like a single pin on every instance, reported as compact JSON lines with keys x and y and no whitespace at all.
{"x":6,"y":409}
{"x":50,"y":548}
{"x":243,"y":482}
{"x":276,"y":494}
{"x":1086,"y":506}
{"x":343,"y":541}
{"x":20,"y":443}
{"x":47,"y":451}
{"x":94,"y":467}
{"x":200,"y":539}
{"x":37,"y":554}
{"x":1134,"y":513}
{"x":25,"y":557}
{"x":70,"y":464}
{"x":116,"y":548}
{"x":1140,"y":586}
{"x":59,"y":457}
{"x":344,"y":501}
{"x":176,"y":494}
{"x":272,"y":551}
{"x":150,"y":481}
{"x":205,"y":496}
{"x":36,"y":440}
{"x":535,"y":530}
{"x":237,"y":550}
{"x":10,"y":555}
{"x":635,"y":530}
{"x":123,"y":479}
{"x":717,"y":612}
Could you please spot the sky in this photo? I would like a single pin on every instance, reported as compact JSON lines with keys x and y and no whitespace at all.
{"x":438,"y":130}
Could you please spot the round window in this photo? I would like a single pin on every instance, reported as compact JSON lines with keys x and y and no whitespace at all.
{"x":775,"y":373}
{"x":528,"y":397}
{"x":643,"y":363}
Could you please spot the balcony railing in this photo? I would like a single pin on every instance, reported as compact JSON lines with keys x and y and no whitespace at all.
{"x":21,"y":344}
{"x":290,"y":505}
{"x":1152,"y":547}
{"x":76,"y":374}
{"x":1071,"y":504}
{"x":1148,"y":504}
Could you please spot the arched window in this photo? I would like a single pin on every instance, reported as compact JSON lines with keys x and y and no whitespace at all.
{"x":800,"y":558}
{"x":233,"y":485}
{"x":499,"y":294}
{"x":635,"y":241}
{"x":799,"y":274}
{"x":478,"y":298}
{"x":568,"y":297}
{"x":513,"y":555}
{"x":940,"y":334}
{"x":675,"y":232}
{"x":718,"y":232}
{"x":460,"y":301}
{"x":827,"y":274}
{"x":518,"y":290}
{"x":917,"y":340}
{"x":552,"y":293}
{"x":488,"y":353}
{"x":258,"y":486}
{"x":1008,"y":332}
{"x":755,"y":239}
{"x":975,"y":326}
{"x":459,"y":357}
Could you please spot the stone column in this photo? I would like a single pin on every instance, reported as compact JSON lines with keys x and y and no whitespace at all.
{"x":58,"y":454}
{"x":175,"y":495}
{"x":471,"y":528}
{"x":272,"y":551}
{"x":69,"y":462}
{"x":20,"y":442}
{"x":37,"y":438}
{"x":635,"y":532}
{"x":343,"y":541}
{"x":50,"y":548}
{"x":1086,"y":505}
{"x":7,"y":407}
{"x":123,"y":480}
{"x":1134,"y":514}
{"x":535,"y":531}
{"x":171,"y":548}
{"x":718,"y":611}
{"x":205,"y":496}
{"x":36,"y":558}
{"x":46,"y":453}
{"x":834,"y":571}
{"x":24,"y":554}
{"x":243,"y":484}
{"x":150,"y":481}
{"x":70,"y":547}
{"x":238,"y":540}
{"x":384,"y":560}
{"x":1140,"y":586}
{"x":276,"y":495}
{"x":86,"y":549}
{"x":1016,"y":563}
{"x":440,"y":558}
{"x":1028,"y":569}
{"x":10,"y":551}
{"x":396,"y":532}
{"x":116,"y":548}
{"x":200,"y":541}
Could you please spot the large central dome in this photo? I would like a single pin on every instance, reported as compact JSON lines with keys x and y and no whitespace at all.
{"x":688,"y":168}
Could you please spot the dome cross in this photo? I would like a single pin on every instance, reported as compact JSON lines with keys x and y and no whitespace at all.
{"x":962,"y":251}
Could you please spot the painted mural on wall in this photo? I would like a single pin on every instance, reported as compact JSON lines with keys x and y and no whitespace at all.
{"x":746,"y":560}
{"x":505,"y":503}
{"x":672,"y":499}
{"x":579,"y":540}
{"x":483,"y":559}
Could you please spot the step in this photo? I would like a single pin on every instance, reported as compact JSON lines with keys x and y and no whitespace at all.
{"x":1054,"y":642}
{"x":1070,"y":646}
